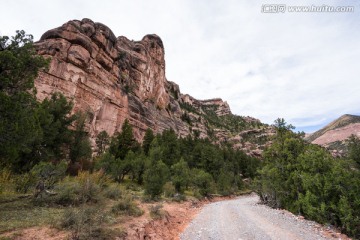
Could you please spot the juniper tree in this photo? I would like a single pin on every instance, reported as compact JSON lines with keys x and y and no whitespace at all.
{"x":19,"y":124}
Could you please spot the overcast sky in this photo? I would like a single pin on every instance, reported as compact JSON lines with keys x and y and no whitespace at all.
{"x":303,"y":67}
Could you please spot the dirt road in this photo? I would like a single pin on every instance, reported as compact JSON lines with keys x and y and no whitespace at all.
{"x":244,"y":218}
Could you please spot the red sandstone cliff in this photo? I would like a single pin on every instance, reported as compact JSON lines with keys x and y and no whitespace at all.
{"x":110,"y":78}
{"x":113,"y":79}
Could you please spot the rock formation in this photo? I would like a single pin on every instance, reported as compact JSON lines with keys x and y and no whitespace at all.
{"x":114,"y":78}
{"x":110,"y":78}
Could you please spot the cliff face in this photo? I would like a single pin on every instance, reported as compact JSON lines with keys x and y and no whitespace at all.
{"x":113,"y":79}
{"x":110,"y":78}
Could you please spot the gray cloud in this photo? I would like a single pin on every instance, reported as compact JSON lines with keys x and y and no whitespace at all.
{"x":300,"y":66}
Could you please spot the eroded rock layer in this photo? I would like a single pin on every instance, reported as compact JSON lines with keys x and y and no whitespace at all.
{"x":113,"y":78}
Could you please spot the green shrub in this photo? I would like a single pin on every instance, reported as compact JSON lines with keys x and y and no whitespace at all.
{"x":224,"y":183}
{"x":133,"y":186}
{"x":49,"y":173}
{"x":204,"y":182}
{"x":155,"y":177}
{"x":197,"y":194}
{"x":83,"y":188}
{"x":86,"y":223}
{"x":113,"y":192}
{"x":127,"y":206}
{"x":68,"y":192}
{"x":180,"y":175}
{"x":169,"y":189}
{"x":24,"y":182}
{"x":45,"y":176}
{"x":179,"y":197}
{"x":107,"y":234}
{"x":5,"y":180}
{"x":90,"y":190}
{"x":98,"y":177}
{"x":69,"y":219}
{"x":10,"y":183}
{"x":156,"y":211}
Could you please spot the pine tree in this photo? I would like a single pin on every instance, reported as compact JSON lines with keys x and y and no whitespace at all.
{"x":80,"y":148}
{"x":170,"y":147}
{"x":148,"y":138}
{"x":102,"y":141}
{"x":123,"y":142}
{"x":155,"y":177}
{"x":180,"y":175}
{"x":54,"y":120}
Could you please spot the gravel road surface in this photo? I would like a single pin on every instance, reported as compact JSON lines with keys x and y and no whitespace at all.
{"x":244,"y":218}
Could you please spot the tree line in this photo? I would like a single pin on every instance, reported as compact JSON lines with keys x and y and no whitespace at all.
{"x":183,"y":163}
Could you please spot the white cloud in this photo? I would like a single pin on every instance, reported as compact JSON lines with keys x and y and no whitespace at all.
{"x":300,"y":66}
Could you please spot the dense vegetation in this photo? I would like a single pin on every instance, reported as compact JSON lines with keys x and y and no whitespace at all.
{"x":48,"y":172}
{"x":183,"y":163}
{"x":305,"y":179}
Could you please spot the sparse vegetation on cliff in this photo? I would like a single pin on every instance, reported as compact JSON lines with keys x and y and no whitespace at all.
{"x":334,"y":135}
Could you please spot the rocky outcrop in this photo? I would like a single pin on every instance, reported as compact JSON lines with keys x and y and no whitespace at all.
{"x":113,"y":78}
{"x":221,"y":108}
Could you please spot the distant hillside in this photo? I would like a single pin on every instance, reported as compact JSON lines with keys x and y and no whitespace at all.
{"x":333,"y":135}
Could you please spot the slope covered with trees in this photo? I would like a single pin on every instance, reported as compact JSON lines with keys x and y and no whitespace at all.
{"x":305,"y":179}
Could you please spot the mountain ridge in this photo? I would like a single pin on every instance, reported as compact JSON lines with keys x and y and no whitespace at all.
{"x":334,"y":134}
